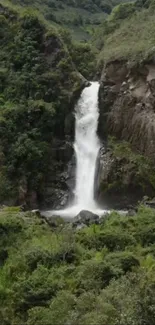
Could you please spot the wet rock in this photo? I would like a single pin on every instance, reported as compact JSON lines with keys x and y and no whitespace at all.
{"x":36,"y":212}
{"x":87,"y":83}
{"x":86,"y":217}
{"x":84,"y":81}
{"x":56,"y":191}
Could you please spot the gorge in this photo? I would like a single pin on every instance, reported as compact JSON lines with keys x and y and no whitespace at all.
{"x":79,"y":151}
{"x":43,"y":72}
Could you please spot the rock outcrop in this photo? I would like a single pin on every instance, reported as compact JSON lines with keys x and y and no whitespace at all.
{"x":127,"y":104}
{"x":119,"y":184}
{"x":127,"y":112}
{"x":85,"y":218}
{"x":59,"y":182}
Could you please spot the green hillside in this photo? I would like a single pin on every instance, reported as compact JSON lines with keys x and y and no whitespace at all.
{"x":37,"y":84}
{"x":79,"y":16}
{"x":128,"y":33}
{"x":54,"y":272}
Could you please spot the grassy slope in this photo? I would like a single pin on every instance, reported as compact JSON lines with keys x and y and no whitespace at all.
{"x":134,"y":39}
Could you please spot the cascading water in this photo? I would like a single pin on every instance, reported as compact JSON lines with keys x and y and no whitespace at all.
{"x":86,"y":148}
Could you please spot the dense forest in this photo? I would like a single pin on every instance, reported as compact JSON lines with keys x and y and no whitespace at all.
{"x":80,"y":17}
{"x":101,"y":274}
{"x":42,"y":72}
{"x":39,"y":81}
{"x":52,"y":271}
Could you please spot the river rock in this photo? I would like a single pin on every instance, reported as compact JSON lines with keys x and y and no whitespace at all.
{"x":36,"y":212}
{"x":86,"y":217}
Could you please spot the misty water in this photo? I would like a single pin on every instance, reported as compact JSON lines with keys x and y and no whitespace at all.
{"x":86,"y":147}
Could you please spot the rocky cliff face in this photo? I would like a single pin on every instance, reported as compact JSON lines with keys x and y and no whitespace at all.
{"x":127,"y":112}
{"x":127,"y":104}
{"x":59,"y":181}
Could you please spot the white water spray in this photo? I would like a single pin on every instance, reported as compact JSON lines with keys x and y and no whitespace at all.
{"x":86,"y":148}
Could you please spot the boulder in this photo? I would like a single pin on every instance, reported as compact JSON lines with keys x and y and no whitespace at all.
{"x":36,"y":212}
{"x":86,"y":217}
{"x":87,"y":83}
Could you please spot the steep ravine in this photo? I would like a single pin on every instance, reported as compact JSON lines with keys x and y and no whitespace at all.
{"x":127,"y":112}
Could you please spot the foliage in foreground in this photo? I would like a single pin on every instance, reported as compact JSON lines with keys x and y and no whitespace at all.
{"x":102,"y":274}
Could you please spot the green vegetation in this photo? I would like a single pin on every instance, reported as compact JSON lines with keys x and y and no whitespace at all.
{"x":130,"y":172}
{"x":37,"y":84}
{"x":142,"y":166}
{"x":102,"y":274}
{"x":128,"y":33}
{"x":84,"y":55}
{"x":79,"y":16}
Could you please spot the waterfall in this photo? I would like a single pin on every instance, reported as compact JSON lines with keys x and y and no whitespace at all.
{"x":86,"y":147}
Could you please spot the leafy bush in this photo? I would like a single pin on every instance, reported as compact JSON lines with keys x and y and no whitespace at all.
{"x":122,"y":11}
{"x":100,"y":284}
